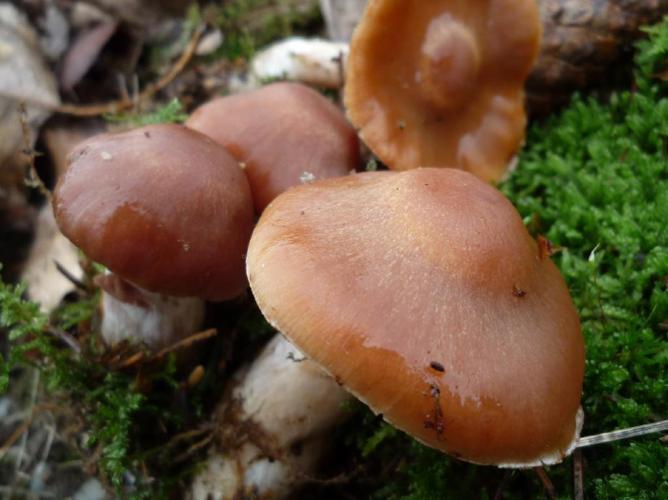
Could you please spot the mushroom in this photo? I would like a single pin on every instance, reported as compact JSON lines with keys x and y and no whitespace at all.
{"x":312,"y":61}
{"x":423,"y":294}
{"x":274,"y":427}
{"x":169,"y":212}
{"x":280,"y":133}
{"x":440,"y":83}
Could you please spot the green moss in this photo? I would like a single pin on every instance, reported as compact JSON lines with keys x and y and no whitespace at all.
{"x":124,"y":411}
{"x":251,"y":24}
{"x":594,"y":180}
{"x":172,"y":112}
{"x":70,"y":315}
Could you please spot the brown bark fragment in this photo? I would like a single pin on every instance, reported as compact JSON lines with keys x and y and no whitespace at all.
{"x":583,"y":40}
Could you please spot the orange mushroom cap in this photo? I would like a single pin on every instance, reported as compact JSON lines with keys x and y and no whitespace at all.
{"x":440,"y":83}
{"x":424,"y":295}
{"x":280,"y":132}
{"x":163,"y":207}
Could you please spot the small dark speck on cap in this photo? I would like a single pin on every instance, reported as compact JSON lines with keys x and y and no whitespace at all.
{"x":435,"y":365}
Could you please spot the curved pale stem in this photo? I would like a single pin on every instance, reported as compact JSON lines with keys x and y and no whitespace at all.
{"x":274,"y":428}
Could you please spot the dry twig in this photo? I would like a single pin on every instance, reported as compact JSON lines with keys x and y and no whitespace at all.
{"x":70,"y":277}
{"x":631,"y":432}
{"x":188,"y":341}
{"x":578,"y":477}
{"x":547,"y":483}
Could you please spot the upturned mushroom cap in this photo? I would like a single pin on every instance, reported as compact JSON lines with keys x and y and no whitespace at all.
{"x":162,"y":206}
{"x":278,"y":133}
{"x":440,"y":83}
{"x":423,"y":294}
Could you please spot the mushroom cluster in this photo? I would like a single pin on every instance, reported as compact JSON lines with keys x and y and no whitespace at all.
{"x":422,"y":294}
{"x":419,"y":292}
{"x":169,"y":211}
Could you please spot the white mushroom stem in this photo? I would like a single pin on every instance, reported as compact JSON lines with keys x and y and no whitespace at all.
{"x":132,"y":313}
{"x":308,"y":60}
{"x":275,"y":427}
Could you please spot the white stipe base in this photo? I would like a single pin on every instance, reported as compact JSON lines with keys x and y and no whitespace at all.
{"x":274,"y":428}
{"x":153,"y":319}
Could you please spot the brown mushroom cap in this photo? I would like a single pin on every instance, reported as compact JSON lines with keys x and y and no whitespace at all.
{"x":424,"y":295}
{"x":440,"y":83}
{"x":162,"y":206}
{"x":279,"y":132}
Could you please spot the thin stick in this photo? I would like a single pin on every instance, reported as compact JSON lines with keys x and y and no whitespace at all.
{"x":24,"y":436}
{"x":184,"y":436}
{"x":66,"y":338}
{"x":547,"y":483}
{"x":578,"y":476}
{"x":197,"y":337}
{"x":193,"y":449}
{"x":69,"y":276}
{"x":125,"y":102}
{"x":15,"y":436}
{"x":48,"y":443}
{"x":132,"y":360}
{"x":631,"y":432}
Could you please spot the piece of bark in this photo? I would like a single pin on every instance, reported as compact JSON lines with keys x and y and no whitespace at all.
{"x":46,"y":284}
{"x":583,"y":41}
{"x":23,"y":73}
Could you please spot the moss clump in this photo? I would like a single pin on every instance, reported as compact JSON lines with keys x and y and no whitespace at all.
{"x":594,"y":181}
{"x":171,"y":112}
{"x":251,"y":24}
{"x":140,"y":414}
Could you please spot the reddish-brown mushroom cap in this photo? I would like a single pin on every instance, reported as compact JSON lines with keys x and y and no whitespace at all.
{"x":278,"y":133}
{"x":163,"y":207}
{"x":440,"y":83}
{"x":425,"y":296}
